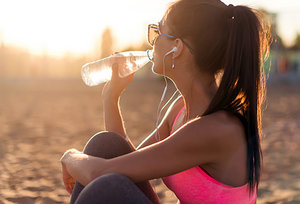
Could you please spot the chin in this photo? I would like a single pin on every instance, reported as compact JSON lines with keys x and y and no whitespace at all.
{"x":154,"y":69}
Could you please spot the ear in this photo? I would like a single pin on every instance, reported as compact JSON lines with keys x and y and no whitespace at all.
{"x":179,"y":45}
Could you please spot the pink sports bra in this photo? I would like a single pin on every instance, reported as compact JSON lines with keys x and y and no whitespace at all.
{"x":196,"y":186}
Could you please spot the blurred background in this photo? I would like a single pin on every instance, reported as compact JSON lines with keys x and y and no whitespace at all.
{"x":45,"y":108}
{"x":52,"y":39}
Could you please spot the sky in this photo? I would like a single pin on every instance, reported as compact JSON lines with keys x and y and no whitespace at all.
{"x":57,"y":27}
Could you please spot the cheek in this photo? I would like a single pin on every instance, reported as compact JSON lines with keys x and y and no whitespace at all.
{"x":158,"y":56}
{"x":156,"y":59}
{"x":157,"y":66}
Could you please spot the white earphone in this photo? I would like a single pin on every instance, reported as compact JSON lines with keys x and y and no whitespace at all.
{"x":173,"y":50}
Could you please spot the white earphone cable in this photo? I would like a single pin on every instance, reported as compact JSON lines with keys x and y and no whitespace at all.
{"x":159,"y":112}
{"x":161,"y":100}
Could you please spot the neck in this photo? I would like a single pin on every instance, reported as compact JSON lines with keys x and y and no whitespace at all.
{"x":197,"y":92}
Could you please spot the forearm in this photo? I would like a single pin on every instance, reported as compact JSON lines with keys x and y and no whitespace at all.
{"x":113,"y":120}
{"x":81,"y":166}
{"x":112,"y":116}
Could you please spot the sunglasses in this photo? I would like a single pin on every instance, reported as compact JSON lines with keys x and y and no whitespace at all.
{"x":154,"y":32}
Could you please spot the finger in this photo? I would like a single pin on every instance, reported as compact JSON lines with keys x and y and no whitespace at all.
{"x":67,"y":188}
{"x":130,"y":76}
{"x":69,"y":191}
{"x":70,"y":188}
{"x":72,"y":185}
{"x":115,"y":70}
{"x":115,"y":67}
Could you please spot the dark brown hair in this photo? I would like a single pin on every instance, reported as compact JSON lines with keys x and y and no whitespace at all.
{"x":230,"y":40}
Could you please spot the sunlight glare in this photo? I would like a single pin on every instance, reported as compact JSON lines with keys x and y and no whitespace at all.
{"x":57,"y":27}
{"x":60,"y":26}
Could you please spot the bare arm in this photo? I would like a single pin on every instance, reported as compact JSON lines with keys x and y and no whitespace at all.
{"x":200,"y":141}
{"x":110,"y":97}
{"x":112,"y":115}
{"x":113,"y":119}
{"x":184,"y":149}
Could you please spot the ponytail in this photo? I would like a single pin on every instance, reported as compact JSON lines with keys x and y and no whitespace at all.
{"x":242,"y":86}
{"x":230,"y":40}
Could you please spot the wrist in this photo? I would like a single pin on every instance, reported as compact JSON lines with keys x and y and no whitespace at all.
{"x":67,"y":155}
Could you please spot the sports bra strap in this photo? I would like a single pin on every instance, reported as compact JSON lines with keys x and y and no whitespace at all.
{"x":177,"y":117}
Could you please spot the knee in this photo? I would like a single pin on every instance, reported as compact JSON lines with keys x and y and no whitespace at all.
{"x":112,"y":188}
{"x":113,"y":180}
{"x":107,"y":144}
{"x":105,"y":136}
{"x":103,"y":188}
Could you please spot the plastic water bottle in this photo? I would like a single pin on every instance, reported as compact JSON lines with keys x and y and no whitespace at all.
{"x":100,"y":71}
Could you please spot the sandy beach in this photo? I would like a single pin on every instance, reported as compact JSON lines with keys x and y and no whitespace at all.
{"x":40,"y":119}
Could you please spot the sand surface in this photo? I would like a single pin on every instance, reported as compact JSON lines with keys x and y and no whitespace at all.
{"x":41,"y":119}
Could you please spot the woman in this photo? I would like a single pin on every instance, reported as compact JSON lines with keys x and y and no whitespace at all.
{"x":209,"y":149}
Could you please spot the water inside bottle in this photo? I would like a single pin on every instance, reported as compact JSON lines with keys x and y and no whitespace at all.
{"x":131,"y":64}
{"x":92,"y":75}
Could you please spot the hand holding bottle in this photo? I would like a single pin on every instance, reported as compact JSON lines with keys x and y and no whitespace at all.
{"x":100,"y":71}
{"x":113,"y":88}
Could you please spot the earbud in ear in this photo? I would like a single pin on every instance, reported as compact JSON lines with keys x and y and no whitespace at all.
{"x":173,"y":50}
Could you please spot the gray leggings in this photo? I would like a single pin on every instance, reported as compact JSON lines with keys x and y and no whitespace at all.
{"x":112,"y":188}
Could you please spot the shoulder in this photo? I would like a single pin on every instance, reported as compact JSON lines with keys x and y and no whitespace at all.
{"x":222,"y":130}
{"x":210,"y":139}
{"x":224,"y":122}
{"x":218,"y":135}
